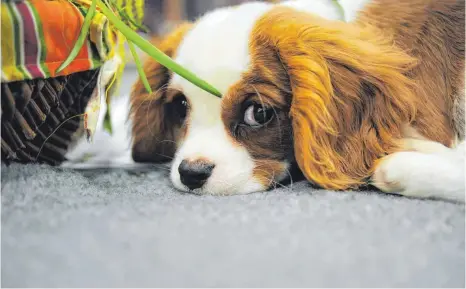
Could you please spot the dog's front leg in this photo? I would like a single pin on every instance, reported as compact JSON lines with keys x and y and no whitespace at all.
{"x":426,"y":170}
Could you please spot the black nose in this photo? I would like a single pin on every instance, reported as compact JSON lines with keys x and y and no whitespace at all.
{"x":194,"y":174}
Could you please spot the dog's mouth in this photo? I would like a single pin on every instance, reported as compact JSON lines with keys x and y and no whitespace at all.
{"x":196,"y":192}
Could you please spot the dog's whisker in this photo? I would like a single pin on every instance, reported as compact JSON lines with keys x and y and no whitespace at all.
{"x":291,"y":178}
{"x":272,"y":178}
{"x":159,"y":166}
{"x":146,"y":100}
{"x":166,"y":156}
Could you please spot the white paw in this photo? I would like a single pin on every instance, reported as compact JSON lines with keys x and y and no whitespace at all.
{"x":422,"y":175}
{"x":392,"y":174}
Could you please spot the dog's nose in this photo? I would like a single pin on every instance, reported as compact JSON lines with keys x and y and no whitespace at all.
{"x":194,"y":174}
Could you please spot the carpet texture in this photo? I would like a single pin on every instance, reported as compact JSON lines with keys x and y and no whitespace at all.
{"x":63,"y":228}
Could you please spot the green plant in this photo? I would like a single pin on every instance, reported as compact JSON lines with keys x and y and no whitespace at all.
{"x":107,"y":7}
{"x":133,"y":38}
{"x":340,"y":8}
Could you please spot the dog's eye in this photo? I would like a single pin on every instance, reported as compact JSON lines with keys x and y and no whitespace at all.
{"x":180,"y":106}
{"x":257,"y":115}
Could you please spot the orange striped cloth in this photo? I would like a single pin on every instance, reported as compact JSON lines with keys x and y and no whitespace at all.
{"x":38,"y":35}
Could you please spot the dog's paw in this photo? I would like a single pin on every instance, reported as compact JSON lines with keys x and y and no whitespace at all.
{"x":416,"y":174}
{"x":391,"y":174}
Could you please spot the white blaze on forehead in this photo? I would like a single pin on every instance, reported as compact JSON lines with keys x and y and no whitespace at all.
{"x":327,"y":9}
{"x":217,"y":48}
{"x":320,"y":7}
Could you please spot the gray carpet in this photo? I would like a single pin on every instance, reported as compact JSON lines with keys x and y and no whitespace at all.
{"x":67,"y":228}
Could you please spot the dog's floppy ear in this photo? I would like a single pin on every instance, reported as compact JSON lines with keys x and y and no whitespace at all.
{"x":349,"y":90}
{"x":154,"y":134}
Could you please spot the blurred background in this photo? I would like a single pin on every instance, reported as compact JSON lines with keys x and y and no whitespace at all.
{"x":161,"y":15}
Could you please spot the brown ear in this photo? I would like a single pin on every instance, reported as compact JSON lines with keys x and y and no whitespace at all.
{"x":154,"y":134}
{"x":350,"y":94}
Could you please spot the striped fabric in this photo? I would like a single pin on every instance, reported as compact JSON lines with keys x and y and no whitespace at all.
{"x":38,"y":35}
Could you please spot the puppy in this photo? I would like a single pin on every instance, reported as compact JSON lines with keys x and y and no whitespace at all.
{"x":379,"y":100}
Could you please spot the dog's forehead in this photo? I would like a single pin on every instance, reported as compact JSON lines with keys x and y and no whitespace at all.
{"x":217,"y":47}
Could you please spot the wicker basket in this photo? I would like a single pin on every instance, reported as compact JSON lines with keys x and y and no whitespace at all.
{"x":33,"y":109}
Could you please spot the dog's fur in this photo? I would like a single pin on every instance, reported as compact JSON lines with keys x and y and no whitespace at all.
{"x":351,"y":101}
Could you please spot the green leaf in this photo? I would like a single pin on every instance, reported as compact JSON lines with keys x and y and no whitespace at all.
{"x":108,"y":122}
{"x":82,"y":37}
{"x":154,"y":52}
{"x":142,"y":74}
{"x":340,"y":8}
{"x":124,"y":15}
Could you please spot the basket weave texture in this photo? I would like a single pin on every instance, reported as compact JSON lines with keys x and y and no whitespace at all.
{"x":36,"y":114}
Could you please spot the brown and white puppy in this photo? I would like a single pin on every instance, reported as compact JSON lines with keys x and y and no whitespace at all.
{"x":344,"y":102}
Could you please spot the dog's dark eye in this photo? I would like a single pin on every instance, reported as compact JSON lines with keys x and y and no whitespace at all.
{"x":180,"y":106}
{"x":257,"y":115}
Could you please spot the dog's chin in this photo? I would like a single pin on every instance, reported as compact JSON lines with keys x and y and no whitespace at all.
{"x":248,"y":188}
{"x":220,"y":187}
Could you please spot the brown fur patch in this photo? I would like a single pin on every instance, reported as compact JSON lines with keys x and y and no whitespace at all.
{"x":155,"y":127}
{"x":432,"y":31}
{"x":268,"y":171}
{"x":271,"y":145}
{"x":351,"y":90}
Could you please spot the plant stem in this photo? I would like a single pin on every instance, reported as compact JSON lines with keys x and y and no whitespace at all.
{"x":142,"y":74}
{"x":155,"y":53}
{"x":340,"y":8}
